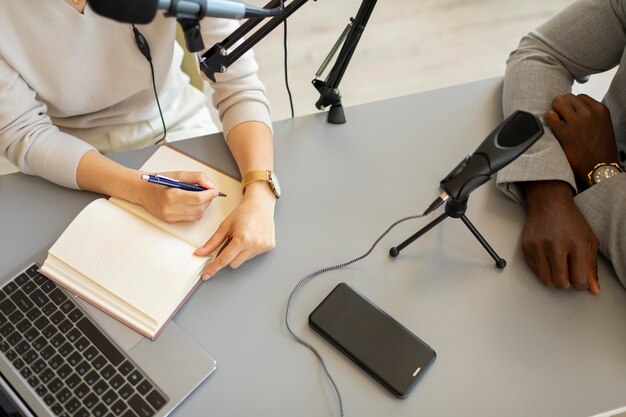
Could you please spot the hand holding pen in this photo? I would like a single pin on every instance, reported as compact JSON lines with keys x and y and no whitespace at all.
{"x":182,"y":196}
{"x":174,"y":183}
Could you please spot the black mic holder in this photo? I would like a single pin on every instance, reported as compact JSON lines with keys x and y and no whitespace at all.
{"x":220,"y":56}
{"x":504,"y":144}
{"x":456,"y":210}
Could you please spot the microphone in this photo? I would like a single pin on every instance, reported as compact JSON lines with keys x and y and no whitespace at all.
{"x":144,"y":11}
{"x":507,"y":141}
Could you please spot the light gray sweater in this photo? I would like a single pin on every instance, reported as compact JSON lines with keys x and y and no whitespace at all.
{"x":63,"y":73}
{"x":586,"y":38}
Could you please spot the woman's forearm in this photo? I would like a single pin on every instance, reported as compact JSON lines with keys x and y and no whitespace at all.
{"x":99,"y":174}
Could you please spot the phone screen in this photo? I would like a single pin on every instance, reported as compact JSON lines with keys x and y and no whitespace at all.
{"x":374,"y":340}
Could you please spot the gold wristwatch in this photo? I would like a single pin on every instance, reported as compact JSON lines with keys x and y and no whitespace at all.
{"x":603,"y":171}
{"x":261,"y":175}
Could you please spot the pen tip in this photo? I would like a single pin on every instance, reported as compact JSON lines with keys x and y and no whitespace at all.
{"x":145,"y":177}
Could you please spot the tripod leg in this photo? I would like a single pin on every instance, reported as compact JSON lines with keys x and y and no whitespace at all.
{"x":500,"y":263}
{"x":395,"y":251}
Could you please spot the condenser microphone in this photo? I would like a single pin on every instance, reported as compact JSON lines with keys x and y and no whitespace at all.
{"x":507,"y":141}
{"x":144,"y":11}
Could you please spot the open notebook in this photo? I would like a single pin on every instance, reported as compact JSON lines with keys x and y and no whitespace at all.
{"x":131,"y":264}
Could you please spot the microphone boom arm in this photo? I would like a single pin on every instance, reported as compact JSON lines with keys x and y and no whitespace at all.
{"x":220,"y":56}
{"x":329,"y":88}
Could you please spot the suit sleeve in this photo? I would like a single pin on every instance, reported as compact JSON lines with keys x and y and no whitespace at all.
{"x":585,"y":38}
{"x":603,"y":205}
{"x":28,"y":139}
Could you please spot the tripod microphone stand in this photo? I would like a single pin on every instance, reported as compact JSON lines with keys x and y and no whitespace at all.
{"x":456,"y":210}
{"x":505,"y":143}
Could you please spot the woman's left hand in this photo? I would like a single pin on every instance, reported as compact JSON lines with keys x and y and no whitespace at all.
{"x":250,"y":229}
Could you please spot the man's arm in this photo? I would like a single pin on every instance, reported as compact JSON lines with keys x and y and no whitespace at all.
{"x":558,"y":243}
{"x":584,"y":130}
{"x":585,"y":38}
{"x":603,"y":205}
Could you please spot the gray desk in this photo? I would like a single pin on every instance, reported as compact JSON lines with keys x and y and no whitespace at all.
{"x":506,"y":345}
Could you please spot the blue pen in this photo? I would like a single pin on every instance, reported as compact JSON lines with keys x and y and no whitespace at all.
{"x":171,"y":182}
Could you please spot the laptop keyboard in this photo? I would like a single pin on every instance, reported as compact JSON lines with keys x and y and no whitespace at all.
{"x":73,"y":367}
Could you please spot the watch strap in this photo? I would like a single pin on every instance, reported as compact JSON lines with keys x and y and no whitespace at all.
{"x":253,"y":176}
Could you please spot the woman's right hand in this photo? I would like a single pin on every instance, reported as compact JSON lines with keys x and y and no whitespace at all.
{"x":100,"y":174}
{"x":175,"y":205}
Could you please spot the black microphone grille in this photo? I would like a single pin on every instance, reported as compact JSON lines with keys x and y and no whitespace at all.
{"x":126,"y":11}
{"x":521,"y":127}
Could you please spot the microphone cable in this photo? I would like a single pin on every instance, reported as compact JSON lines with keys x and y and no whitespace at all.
{"x":312,"y":275}
{"x":282,"y":6}
{"x":144,"y":48}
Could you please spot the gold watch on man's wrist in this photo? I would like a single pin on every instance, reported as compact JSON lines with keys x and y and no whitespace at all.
{"x":261,"y":175}
{"x":603,"y":171}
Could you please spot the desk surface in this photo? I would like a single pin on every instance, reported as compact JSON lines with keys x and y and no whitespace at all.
{"x":506,"y":345}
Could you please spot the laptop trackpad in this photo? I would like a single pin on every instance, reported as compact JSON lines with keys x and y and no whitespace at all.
{"x":123,"y":335}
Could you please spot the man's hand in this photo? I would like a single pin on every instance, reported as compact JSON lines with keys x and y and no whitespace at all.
{"x":583,"y":128}
{"x":558,"y":243}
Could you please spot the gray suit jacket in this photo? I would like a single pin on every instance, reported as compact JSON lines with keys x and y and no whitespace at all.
{"x":586,"y":38}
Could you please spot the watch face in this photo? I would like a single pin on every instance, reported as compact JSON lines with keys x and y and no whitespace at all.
{"x":604,"y":172}
{"x":273,"y":180}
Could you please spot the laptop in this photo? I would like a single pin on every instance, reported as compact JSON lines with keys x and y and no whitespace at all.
{"x":60,"y":356}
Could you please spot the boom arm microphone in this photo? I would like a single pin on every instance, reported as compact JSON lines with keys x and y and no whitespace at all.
{"x":144,"y":11}
{"x":507,"y":141}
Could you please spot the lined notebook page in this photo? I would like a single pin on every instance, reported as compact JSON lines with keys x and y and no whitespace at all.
{"x":198,"y":232}
{"x":132,"y":259}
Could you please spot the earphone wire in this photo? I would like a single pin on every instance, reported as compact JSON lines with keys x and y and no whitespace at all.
{"x":156,"y":96}
{"x":144,"y":48}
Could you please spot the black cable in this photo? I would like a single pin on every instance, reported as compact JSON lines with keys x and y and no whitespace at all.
{"x":285,"y":61}
{"x":156,"y":96}
{"x":312,"y":275}
{"x":144,"y":48}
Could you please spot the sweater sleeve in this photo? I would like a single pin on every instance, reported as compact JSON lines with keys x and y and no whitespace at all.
{"x":238,"y":94}
{"x":585,"y":38}
{"x":28,"y":139}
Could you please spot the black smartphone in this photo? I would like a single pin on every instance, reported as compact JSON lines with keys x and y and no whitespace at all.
{"x":374,"y":340}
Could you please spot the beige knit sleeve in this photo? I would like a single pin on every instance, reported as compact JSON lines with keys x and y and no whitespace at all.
{"x":28,"y":139}
{"x":238,"y":94}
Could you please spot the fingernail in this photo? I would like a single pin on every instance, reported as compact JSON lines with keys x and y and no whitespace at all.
{"x":198,"y":251}
{"x":205,"y":277}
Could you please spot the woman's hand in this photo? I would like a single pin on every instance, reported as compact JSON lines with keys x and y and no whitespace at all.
{"x":249,"y":230}
{"x":99,"y":174}
{"x":175,"y":205}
